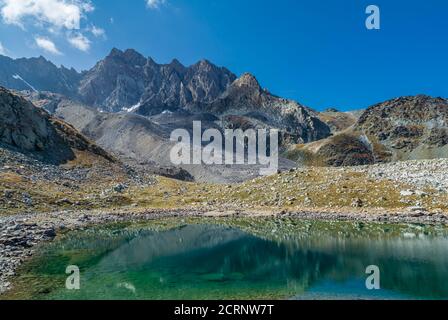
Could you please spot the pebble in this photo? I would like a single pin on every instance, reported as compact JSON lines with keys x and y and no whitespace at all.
{"x":419,"y":173}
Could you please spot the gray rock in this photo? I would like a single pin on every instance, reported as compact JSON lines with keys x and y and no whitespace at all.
{"x":120,"y":188}
{"x":126,"y":79}
{"x":49,"y":233}
{"x":26,"y":198}
{"x":32,"y":131}
{"x":8,"y":194}
{"x":408,"y":128}
{"x":407,"y":193}
{"x":417,"y":209}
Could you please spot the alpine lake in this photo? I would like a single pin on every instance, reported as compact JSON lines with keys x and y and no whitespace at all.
{"x":240,"y":258}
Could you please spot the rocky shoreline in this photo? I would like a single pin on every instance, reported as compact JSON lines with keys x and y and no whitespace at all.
{"x":20,"y":234}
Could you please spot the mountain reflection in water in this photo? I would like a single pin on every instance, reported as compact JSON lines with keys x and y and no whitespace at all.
{"x":215,"y":262}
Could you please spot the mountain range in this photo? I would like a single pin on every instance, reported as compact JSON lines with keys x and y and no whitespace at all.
{"x":38,"y":74}
{"x":125,"y":81}
{"x":128,"y":104}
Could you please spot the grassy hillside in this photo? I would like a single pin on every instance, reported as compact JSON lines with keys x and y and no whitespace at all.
{"x":313,"y":188}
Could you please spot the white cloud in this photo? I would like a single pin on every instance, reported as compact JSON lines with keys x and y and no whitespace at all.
{"x":79,"y":42}
{"x":2,"y":49}
{"x":97,"y":32}
{"x":47,"y":45}
{"x":154,"y":4}
{"x":53,"y":14}
{"x":56,"y":18}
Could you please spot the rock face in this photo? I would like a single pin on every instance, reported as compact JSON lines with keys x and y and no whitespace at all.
{"x":125,"y":134}
{"x":144,"y":141}
{"x":122,"y":81}
{"x":245,"y":104}
{"x":408,"y":128}
{"x":405,"y":128}
{"x":29,"y":129}
{"x":128,"y":81}
{"x":38,"y":74}
{"x":34,"y":132}
{"x":171,"y":96}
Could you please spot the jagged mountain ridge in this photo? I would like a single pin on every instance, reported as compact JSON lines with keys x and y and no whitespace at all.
{"x":120,"y":81}
{"x":246,"y":102}
{"x":38,"y":74}
{"x":400,"y":129}
{"x":126,"y":81}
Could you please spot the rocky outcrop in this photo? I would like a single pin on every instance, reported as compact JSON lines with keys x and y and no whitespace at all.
{"x":414,"y":127}
{"x":33,"y":131}
{"x":405,"y":128}
{"x":246,"y":100}
{"x":341,"y":150}
{"x":29,"y":129}
{"x":346,"y":150}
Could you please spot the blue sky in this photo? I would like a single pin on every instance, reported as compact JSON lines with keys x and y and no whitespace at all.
{"x":316,"y":52}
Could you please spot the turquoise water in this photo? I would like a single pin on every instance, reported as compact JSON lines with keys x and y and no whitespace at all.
{"x":246,"y":259}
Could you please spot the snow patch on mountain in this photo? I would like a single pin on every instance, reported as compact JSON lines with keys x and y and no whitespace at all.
{"x":17,"y":77}
{"x":133,"y":108}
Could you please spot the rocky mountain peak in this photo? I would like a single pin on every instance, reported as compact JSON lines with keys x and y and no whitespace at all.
{"x":412,"y":127}
{"x":176,"y":65}
{"x":128,"y":56}
{"x":204,"y":64}
{"x":126,"y":81}
{"x":134,"y":57}
{"x":206,"y":67}
{"x":115,"y":52}
{"x":176,"y":62}
{"x":37,"y":74}
{"x":246,"y":101}
{"x":247,"y":80}
{"x":419,"y":108}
